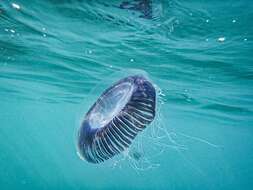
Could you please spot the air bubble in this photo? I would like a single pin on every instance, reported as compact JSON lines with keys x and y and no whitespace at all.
{"x":15,"y":6}
{"x":221,"y":39}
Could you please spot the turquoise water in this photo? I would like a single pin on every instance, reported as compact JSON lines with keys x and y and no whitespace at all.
{"x":56,"y":56}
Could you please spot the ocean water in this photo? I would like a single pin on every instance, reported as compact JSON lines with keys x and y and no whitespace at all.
{"x":56,"y":57}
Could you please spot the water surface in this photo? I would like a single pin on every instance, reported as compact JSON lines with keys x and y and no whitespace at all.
{"x":53,"y":53}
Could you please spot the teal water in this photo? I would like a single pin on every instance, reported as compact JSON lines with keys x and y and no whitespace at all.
{"x":53,"y":54}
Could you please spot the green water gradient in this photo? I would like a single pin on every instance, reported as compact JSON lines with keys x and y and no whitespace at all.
{"x":53,"y":53}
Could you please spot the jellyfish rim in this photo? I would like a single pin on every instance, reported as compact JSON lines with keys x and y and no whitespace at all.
{"x":97,"y":144}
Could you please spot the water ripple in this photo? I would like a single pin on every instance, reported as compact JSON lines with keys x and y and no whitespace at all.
{"x":57,"y":51}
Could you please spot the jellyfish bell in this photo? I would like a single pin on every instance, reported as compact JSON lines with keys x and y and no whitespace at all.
{"x":116,"y":118}
{"x":110,"y":104}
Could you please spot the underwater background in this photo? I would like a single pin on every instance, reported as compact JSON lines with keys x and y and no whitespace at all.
{"x":54,"y":54}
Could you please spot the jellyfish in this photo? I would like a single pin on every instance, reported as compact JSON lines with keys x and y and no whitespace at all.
{"x":116,"y":118}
